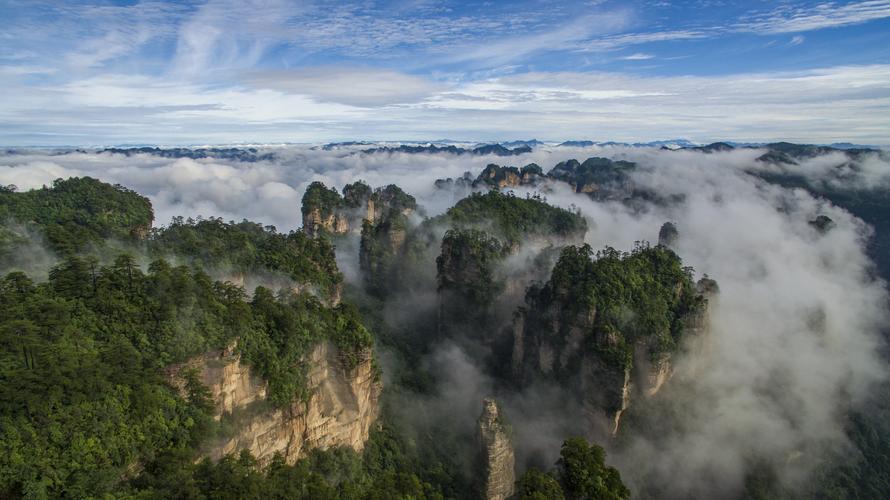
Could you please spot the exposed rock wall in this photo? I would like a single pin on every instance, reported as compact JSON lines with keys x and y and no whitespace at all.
{"x":496,"y":454}
{"x":340,"y":411}
{"x":315,"y":222}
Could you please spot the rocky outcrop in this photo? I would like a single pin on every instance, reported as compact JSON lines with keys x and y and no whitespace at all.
{"x":330,"y":297}
{"x":383,"y":235}
{"x":600,"y":178}
{"x":341,"y":408}
{"x":495,"y":176}
{"x":822,"y":224}
{"x":326,"y":211}
{"x":496,"y":454}
{"x":317,"y":221}
{"x":668,"y":235}
{"x":574,"y":331}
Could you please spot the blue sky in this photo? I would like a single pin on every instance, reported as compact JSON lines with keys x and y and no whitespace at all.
{"x":94,"y":73}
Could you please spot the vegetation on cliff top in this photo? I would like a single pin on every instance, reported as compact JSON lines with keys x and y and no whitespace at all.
{"x":642,"y":294}
{"x":78,"y":213}
{"x":320,"y":197}
{"x":248,"y":248}
{"x":513,"y":218}
{"x":355,"y":197}
{"x":581,"y":473}
{"x":82,"y":392}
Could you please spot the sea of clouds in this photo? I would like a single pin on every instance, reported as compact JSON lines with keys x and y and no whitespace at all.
{"x":795,"y":332}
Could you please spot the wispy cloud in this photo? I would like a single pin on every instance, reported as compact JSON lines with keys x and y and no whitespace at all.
{"x":564,"y":37}
{"x":614,"y":42}
{"x":796,"y":40}
{"x":790,"y":18}
{"x":639,"y":56}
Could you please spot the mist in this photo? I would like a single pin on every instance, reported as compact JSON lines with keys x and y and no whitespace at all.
{"x":795,"y":331}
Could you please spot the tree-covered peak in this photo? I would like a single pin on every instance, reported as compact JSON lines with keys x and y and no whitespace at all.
{"x":320,"y":197}
{"x":249,"y":247}
{"x":78,"y":213}
{"x":512,"y":218}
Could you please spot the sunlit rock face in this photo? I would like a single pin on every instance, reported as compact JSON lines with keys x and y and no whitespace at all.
{"x":318,"y":221}
{"x":496,"y":454}
{"x":342,"y":407}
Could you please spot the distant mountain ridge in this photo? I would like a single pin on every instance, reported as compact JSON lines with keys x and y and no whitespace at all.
{"x":779,"y":151}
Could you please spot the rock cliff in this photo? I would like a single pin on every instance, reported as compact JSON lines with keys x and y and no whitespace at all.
{"x":326,"y":211}
{"x":340,"y":411}
{"x":496,"y":454}
{"x":318,"y":220}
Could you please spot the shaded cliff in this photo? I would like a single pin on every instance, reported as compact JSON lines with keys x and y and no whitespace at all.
{"x":383,"y":236}
{"x":341,"y":407}
{"x":495,"y":176}
{"x":477,"y":285}
{"x":496,"y":457}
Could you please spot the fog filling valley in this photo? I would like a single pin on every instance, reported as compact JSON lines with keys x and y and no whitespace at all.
{"x":796,"y":330}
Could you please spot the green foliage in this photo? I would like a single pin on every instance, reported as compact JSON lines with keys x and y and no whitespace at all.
{"x":537,"y":485}
{"x":78,"y":213}
{"x":512,"y":218}
{"x":83,"y":399}
{"x":393,"y":199}
{"x":379,"y":257}
{"x":466,"y":267}
{"x":382,"y":472}
{"x":320,"y":197}
{"x":646,"y":293}
{"x":356,"y":195}
{"x":583,"y":473}
{"x":866,"y":475}
{"x":247,"y":247}
{"x":287,"y":327}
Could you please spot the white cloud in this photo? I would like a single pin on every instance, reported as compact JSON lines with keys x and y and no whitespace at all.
{"x":614,"y":42}
{"x":639,"y":56}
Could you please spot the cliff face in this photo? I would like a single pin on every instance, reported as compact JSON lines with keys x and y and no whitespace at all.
{"x":380,"y":249}
{"x":326,"y":211}
{"x":496,"y":454}
{"x":469,"y":283}
{"x":330,"y":297}
{"x":340,"y":411}
{"x":317,"y":221}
